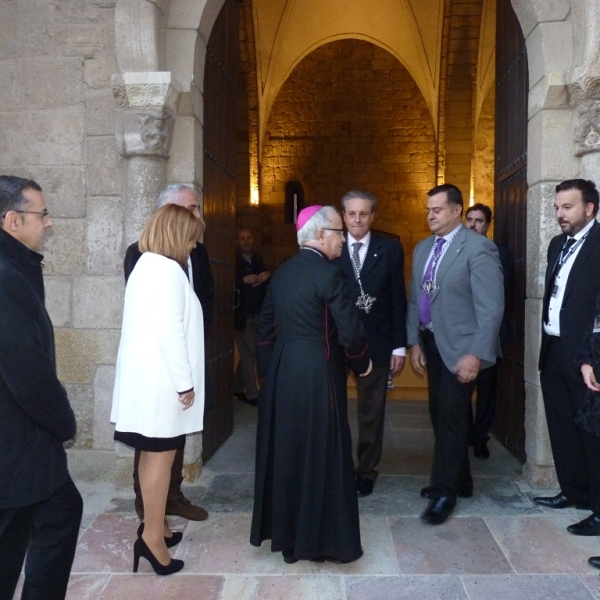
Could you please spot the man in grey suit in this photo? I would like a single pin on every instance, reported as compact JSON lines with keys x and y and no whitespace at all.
{"x":455,"y":309}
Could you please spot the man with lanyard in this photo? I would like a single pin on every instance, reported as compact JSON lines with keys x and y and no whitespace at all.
{"x":374,"y":264}
{"x":455,"y":309}
{"x":571,"y":287}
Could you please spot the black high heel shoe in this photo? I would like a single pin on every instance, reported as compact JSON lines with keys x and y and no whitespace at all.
{"x":169,"y":541}
{"x":141,"y":549}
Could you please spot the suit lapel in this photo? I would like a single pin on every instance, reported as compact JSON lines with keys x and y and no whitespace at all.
{"x":421,"y":259}
{"x":347,"y":263}
{"x":372,"y":257}
{"x":582,"y":258}
{"x":455,"y":248}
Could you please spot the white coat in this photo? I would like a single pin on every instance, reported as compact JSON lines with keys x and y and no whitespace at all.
{"x":161,"y":352}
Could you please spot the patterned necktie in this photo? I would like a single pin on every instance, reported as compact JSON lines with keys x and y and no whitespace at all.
{"x":425,"y":300}
{"x":356,"y":258}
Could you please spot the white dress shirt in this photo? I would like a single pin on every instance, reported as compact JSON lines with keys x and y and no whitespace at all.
{"x":556,"y":300}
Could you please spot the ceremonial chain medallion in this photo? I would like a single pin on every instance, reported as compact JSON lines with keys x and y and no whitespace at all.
{"x":364,"y":302}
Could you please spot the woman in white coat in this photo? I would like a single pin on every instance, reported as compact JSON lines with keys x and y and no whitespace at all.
{"x":159,"y":386}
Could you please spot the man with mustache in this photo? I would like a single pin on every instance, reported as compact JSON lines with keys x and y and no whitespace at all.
{"x":572,"y":285}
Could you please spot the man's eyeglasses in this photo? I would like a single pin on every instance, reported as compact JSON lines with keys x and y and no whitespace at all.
{"x":43,"y":213}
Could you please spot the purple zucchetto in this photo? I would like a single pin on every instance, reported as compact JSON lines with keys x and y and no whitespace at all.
{"x":305,"y":214}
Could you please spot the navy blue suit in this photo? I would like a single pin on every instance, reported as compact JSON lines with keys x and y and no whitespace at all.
{"x":382,"y":277}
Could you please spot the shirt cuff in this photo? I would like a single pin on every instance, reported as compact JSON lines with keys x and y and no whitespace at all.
{"x":399,"y":352}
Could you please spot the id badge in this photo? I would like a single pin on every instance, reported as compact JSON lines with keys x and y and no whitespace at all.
{"x":597,"y":324}
{"x":554,"y":291}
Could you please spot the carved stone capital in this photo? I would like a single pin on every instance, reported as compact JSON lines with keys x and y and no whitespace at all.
{"x":587,"y":128}
{"x":145,"y":117}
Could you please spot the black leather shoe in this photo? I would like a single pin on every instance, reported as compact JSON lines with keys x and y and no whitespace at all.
{"x":558,"y":501}
{"x":481,"y":449}
{"x":429,"y":492}
{"x":364,"y":486}
{"x":594,"y":561}
{"x":438,"y":510}
{"x":288,"y":557}
{"x":589,"y":526}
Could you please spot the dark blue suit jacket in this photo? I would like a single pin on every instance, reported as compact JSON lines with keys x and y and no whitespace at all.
{"x":382,"y":277}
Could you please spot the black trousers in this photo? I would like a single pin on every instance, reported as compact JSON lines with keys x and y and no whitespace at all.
{"x":48,"y":533}
{"x":174,"y":492}
{"x":576,"y":452}
{"x":449,"y":401}
{"x":486,"y":386}
{"x":371,"y":392}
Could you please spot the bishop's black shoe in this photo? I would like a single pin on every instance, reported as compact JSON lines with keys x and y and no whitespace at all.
{"x":364,"y":486}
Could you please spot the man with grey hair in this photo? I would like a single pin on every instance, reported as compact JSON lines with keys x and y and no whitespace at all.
{"x":202,"y":281}
{"x":304,"y":495}
{"x":374,"y":265}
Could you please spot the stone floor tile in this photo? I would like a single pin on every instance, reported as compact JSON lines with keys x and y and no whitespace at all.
{"x":459,"y":546}
{"x":401,"y":421}
{"x":407,"y":407}
{"x":267,"y":587}
{"x":542,"y":544}
{"x":419,"y":438}
{"x":592,"y":583}
{"x":495,"y":496}
{"x":230,"y":493}
{"x":152,"y":587}
{"x":107,"y":545}
{"x":530,"y":587}
{"x":87,"y":586}
{"x":405,"y":587}
{"x":238,"y":457}
{"x":97,"y":498}
{"x":395,"y":495}
{"x":221,"y":545}
{"x":378,"y":559}
{"x":404,"y":460}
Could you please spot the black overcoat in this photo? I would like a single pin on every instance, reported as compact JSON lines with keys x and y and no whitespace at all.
{"x":35,"y":414}
{"x":305,"y":491}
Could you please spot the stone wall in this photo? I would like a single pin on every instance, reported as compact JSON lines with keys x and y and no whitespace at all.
{"x":349,"y":116}
{"x":57,"y":123}
{"x":483,"y":160}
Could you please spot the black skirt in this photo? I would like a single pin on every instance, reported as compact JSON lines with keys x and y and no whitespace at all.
{"x":149,"y":444}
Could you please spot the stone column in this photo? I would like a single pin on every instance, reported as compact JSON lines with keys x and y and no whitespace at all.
{"x":145,"y":119}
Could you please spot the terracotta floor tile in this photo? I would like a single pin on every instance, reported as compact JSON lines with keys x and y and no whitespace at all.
{"x":460,"y":545}
{"x":152,"y":587}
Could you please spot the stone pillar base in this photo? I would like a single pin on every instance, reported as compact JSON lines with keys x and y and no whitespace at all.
{"x":539,"y":476}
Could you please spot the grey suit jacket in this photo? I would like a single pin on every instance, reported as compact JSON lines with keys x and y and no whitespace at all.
{"x":467,"y":307}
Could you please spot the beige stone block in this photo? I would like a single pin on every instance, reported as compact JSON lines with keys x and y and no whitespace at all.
{"x":181,"y":161}
{"x":532,"y":336}
{"x":537,"y":440}
{"x":104,"y":237}
{"x":179,"y":52}
{"x":98,"y":71}
{"x":80,"y":35}
{"x":7,"y":84}
{"x":27,"y":28}
{"x":539,"y":476}
{"x":55,"y":137}
{"x":541,"y":228}
{"x":99,"y":112}
{"x":98,"y":302}
{"x":65,"y":249}
{"x":104,"y":381}
{"x":104,"y":167}
{"x":81,"y":397}
{"x":58,"y":300}
{"x":79,"y":351}
{"x":64,"y":190}
{"x":550,"y":147}
{"x":48,"y":82}
{"x":93,"y":466}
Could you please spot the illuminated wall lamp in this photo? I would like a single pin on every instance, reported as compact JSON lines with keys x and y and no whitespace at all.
{"x":254,"y":196}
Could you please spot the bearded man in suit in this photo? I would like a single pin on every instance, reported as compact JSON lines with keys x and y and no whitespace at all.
{"x":569,"y":306}
{"x":455,"y":309}
{"x":374,"y":265}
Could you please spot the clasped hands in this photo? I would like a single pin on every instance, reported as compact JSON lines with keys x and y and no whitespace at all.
{"x":257,"y":279}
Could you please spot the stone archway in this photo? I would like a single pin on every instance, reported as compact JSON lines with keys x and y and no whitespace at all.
{"x":168,"y":37}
